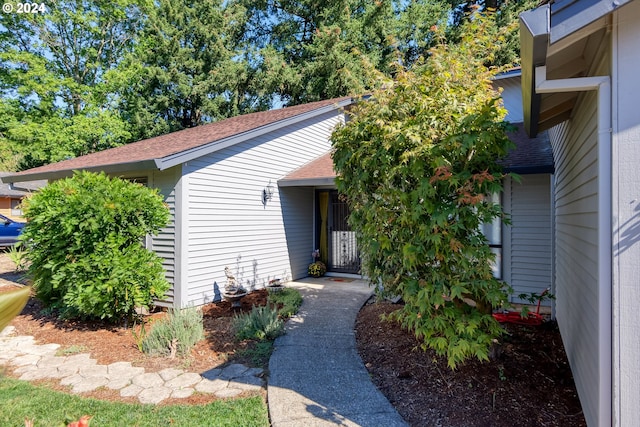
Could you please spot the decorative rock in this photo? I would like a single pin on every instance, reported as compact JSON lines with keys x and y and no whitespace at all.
{"x":154,"y":395}
{"x":83,"y":374}
{"x":246,"y":383}
{"x":131,"y":391}
{"x":71,"y":380}
{"x":93,"y":371}
{"x":233,"y":371}
{"x":147,"y":380}
{"x":27,"y":359}
{"x":209,"y":386}
{"x":212,"y":374}
{"x":89,"y":384}
{"x":170,"y":373}
{"x":118,"y":383}
{"x":184,"y":381}
{"x":182,"y":393}
{"x":9,"y":330}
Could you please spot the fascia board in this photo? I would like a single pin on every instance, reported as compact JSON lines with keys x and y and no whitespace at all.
{"x":64,"y":173}
{"x":534,"y":42}
{"x":188,"y":155}
{"x":307,"y":182}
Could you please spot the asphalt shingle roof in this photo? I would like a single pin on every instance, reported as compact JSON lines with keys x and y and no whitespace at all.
{"x":177,"y":142}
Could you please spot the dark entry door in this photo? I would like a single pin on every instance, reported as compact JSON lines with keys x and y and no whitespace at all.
{"x":344,"y":256}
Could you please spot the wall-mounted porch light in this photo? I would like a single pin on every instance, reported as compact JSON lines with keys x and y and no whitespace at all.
{"x":267,"y":193}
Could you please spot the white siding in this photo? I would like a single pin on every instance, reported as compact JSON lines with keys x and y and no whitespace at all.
{"x":626,"y":214}
{"x":511,"y":98}
{"x":297,"y":213}
{"x":227,"y":224}
{"x":530,"y":233}
{"x":576,"y":239}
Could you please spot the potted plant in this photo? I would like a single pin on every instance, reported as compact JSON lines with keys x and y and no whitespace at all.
{"x":275,"y":285}
{"x":317,"y":268}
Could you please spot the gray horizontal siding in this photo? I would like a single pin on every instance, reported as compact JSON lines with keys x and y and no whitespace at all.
{"x":227,"y":222}
{"x":576,"y":200}
{"x":531,"y":236}
{"x":164,"y":243}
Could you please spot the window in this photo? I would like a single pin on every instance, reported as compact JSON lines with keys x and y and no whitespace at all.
{"x":15,"y":207}
{"x":493,"y":233}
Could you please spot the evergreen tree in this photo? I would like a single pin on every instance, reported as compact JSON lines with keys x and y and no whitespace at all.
{"x":188,"y":68}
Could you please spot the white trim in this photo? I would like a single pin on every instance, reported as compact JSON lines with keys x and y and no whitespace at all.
{"x":180,"y":285}
{"x":605,"y":238}
{"x":506,"y":231}
{"x":307,"y":182}
{"x":203,"y":150}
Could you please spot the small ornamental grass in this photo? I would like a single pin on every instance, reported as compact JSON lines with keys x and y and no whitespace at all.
{"x":176,"y":334}
{"x":261,"y":323}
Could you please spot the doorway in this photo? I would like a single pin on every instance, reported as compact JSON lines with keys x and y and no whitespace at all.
{"x":338,"y":245}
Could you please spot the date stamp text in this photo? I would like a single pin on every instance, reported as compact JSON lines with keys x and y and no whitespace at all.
{"x":22,"y":8}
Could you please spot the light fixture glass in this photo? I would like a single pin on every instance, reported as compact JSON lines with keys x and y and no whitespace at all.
{"x":267,"y":193}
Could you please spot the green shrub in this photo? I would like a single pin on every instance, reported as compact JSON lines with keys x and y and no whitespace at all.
{"x":261,"y":323}
{"x":176,"y":334}
{"x":289,"y":299}
{"x":84,"y":239}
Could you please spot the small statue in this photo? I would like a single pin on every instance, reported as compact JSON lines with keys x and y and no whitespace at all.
{"x":232,"y":286}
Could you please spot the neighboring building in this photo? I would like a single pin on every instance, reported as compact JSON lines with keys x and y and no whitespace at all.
{"x":11,"y":196}
{"x":580,"y":66}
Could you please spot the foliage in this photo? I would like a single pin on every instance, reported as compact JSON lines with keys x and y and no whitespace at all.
{"x":18,"y":256}
{"x":261,"y":323}
{"x":188,"y":68}
{"x":11,"y":304}
{"x":259,"y":352}
{"x":84,"y":238}
{"x":289,"y":301}
{"x":52,"y":82}
{"x":416,"y":164}
{"x":20,"y":400}
{"x":95,"y":74}
{"x":317,"y":269}
{"x":176,"y":334}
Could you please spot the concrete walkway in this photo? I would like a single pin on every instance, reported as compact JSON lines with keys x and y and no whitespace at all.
{"x":317,"y":377}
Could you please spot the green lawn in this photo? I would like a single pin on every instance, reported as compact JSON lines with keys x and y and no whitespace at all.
{"x":49,"y":408}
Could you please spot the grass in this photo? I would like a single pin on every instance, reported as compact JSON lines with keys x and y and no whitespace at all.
{"x":20,"y":400}
{"x":72,"y":349}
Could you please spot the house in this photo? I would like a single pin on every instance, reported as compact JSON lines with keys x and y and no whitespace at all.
{"x":219,"y":182}
{"x":580,"y":64}
{"x":11,"y":196}
{"x":257,"y":193}
{"x":523,"y":249}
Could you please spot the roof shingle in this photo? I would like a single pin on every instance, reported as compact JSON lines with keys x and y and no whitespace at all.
{"x":176,"y":142}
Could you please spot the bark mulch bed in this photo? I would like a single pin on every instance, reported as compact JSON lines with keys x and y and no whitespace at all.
{"x":528,"y":384}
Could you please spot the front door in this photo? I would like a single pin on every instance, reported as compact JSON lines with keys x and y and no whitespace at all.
{"x":342,"y":249}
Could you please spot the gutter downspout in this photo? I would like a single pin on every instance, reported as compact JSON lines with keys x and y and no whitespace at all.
{"x":602,"y":85}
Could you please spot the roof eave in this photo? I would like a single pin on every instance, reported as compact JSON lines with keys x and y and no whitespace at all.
{"x":534,"y":42}
{"x":64,"y":173}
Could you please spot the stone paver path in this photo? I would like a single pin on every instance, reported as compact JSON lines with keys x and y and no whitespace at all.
{"x":84,"y":374}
